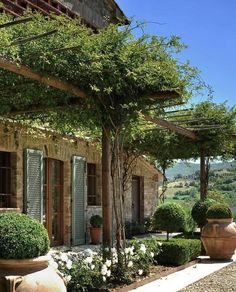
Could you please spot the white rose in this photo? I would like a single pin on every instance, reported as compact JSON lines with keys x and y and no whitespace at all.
{"x":104,"y":270}
{"x":88,"y":260}
{"x":130,"y":264}
{"x":143,"y":248}
{"x":108,"y":263}
{"x":68,"y":278}
{"x":140,"y":272}
{"x":64,"y":257}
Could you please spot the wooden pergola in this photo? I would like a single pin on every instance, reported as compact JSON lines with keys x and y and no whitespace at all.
{"x":77,"y":93}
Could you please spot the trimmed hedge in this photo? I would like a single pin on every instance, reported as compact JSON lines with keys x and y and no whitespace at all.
{"x":179,"y":251}
{"x":219,"y":211}
{"x":22,"y":237}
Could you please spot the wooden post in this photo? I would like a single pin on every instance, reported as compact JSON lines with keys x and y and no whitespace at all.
{"x":202,"y":173}
{"x":106,"y":187}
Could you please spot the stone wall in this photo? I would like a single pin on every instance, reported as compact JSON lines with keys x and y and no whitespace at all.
{"x":15,"y":139}
{"x":151,"y":180}
{"x":97,"y":13}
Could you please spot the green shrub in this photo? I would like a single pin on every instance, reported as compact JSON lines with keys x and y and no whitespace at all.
{"x":96,"y":221}
{"x":179,"y":251}
{"x":22,"y":237}
{"x":169,"y":217}
{"x":234,"y":216}
{"x":133,"y":228}
{"x":199,"y":211}
{"x":152,"y":243}
{"x":216,"y":196}
{"x":147,"y":224}
{"x":145,"y":250}
{"x":190,"y":224}
{"x":219,"y":211}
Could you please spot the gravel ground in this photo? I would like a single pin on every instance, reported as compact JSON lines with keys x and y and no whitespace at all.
{"x":223,"y":280}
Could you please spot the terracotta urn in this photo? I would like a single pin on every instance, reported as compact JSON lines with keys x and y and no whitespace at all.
{"x":29,"y":275}
{"x":95,"y":235}
{"x":95,"y":229}
{"x":219,"y":238}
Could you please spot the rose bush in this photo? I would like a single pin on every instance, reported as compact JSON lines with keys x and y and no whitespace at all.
{"x":90,"y":269}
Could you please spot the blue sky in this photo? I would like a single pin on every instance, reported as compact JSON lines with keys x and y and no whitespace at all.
{"x":208,"y":27}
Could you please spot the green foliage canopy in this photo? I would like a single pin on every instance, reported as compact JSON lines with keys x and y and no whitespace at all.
{"x":116,"y":70}
{"x":165,"y":145}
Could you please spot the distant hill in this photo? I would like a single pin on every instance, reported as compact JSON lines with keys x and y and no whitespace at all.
{"x":188,"y":168}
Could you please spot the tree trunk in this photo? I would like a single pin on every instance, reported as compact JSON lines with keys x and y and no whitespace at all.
{"x":117,"y":184}
{"x":106,"y":187}
{"x":164,"y":187}
{"x":203,"y":174}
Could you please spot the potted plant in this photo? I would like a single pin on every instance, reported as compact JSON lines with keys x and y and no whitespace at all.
{"x":24,"y":265}
{"x":219,"y":234}
{"x":199,"y":211}
{"x":95,"y":229}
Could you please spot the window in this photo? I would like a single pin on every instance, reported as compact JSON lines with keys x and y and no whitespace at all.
{"x":93,"y":198}
{"x":5,"y":179}
{"x":53,"y":199}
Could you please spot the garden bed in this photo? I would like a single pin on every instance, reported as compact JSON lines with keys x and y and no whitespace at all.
{"x":156,"y":272}
{"x":142,"y":261}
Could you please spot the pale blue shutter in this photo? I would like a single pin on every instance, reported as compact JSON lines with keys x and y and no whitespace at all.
{"x":78,"y":199}
{"x":33,"y":183}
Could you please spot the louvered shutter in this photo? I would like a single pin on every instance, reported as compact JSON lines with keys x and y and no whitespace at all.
{"x":78,"y":200}
{"x":33,"y":183}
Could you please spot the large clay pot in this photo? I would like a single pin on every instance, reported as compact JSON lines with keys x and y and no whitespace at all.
{"x":29,"y":275}
{"x":95,"y":235}
{"x":219,"y":238}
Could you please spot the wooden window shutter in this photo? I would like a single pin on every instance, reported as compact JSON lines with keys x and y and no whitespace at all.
{"x":33,"y":183}
{"x":78,"y":200}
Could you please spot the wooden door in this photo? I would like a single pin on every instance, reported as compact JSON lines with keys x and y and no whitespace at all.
{"x":53,"y":200}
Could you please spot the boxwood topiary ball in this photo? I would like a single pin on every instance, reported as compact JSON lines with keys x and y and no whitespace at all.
{"x":219,"y":211}
{"x":169,"y":217}
{"x":199,"y":211}
{"x":96,"y":221}
{"x":22,"y":237}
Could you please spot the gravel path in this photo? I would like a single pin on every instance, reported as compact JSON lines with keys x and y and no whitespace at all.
{"x":223,"y":280}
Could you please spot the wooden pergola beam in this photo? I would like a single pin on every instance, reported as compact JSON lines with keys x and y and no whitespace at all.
{"x":177,"y":116}
{"x":164,"y":95}
{"x":50,"y":80}
{"x":171,"y":126}
{"x":21,"y":41}
{"x":66,"y":86}
{"x":14,"y":22}
{"x":178,"y":111}
{"x":42,"y":109}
